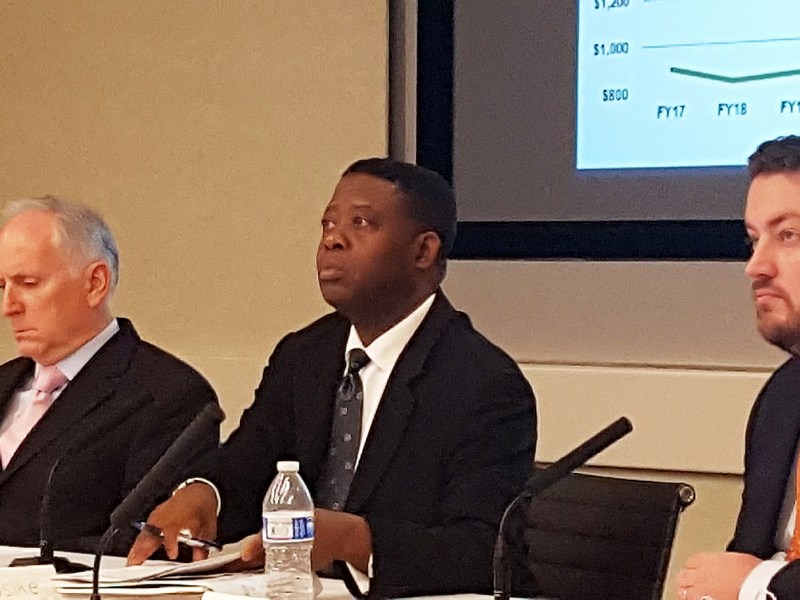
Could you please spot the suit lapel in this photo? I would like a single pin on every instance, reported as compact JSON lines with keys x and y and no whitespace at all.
{"x":768,"y":482}
{"x":16,"y":373}
{"x":397,"y":405}
{"x":91,"y":386}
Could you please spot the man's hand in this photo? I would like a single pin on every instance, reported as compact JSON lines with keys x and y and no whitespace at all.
{"x":252,"y":555}
{"x":717,"y":575}
{"x":337,"y":536}
{"x":340,"y":536}
{"x":193,"y":508}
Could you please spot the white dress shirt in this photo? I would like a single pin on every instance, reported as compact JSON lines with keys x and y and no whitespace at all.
{"x":383,"y":353}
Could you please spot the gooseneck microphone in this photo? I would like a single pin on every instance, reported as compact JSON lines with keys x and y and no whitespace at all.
{"x":162,"y":477}
{"x":46,"y":519}
{"x":540,"y":481}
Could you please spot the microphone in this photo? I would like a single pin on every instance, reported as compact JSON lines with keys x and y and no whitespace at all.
{"x":162,"y":477}
{"x":171,"y":467}
{"x":539,"y":482}
{"x":46,"y":524}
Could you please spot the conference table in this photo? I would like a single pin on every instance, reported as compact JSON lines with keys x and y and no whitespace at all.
{"x":41,"y":582}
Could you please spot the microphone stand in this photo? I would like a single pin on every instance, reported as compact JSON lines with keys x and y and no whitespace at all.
{"x":157,"y":481}
{"x":501,"y":566}
{"x":161,"y":477}
{"x":539,"y":482}
{"x":46,"y":550}
{"x":45,"y":544}
{"x":46,"y":525}
{"x":102,"y":545}
{"x":46,"y":555}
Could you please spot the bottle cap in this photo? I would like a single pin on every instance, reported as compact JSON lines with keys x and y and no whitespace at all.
{"x":291,"y":466}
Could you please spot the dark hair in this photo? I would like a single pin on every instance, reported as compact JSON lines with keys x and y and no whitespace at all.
{"x":432,"y":202}
{"x":775,"y":156}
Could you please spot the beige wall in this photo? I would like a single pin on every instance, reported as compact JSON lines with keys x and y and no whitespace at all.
{"x":210,"y":133}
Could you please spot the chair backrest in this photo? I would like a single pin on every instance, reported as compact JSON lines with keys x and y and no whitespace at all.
{"x":591,"y":537}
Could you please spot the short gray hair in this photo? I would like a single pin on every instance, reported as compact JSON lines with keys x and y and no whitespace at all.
{"x":81,"y":228}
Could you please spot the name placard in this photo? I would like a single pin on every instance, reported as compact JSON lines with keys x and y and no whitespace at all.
{"x":27,"y":583}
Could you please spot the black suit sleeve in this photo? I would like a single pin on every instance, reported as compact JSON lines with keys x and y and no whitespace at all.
{"x":243,"y":467}
{"x":174,"y":405}
{"x":770,"y":445}
{"x":487,"y":467}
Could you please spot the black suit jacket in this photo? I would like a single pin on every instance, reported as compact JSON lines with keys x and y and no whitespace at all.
{"x":771,"y":441}
{"x":451,"y":443}
{"x":111,"y":424}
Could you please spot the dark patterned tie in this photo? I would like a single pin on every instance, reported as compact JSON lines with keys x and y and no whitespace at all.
{"x":340,"y":466}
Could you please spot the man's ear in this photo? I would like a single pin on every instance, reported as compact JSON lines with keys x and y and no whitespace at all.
{"x":98,"y":282}
{"x":428,"y":246}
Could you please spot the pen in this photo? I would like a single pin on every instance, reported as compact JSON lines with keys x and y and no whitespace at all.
{"x":183,"y":536}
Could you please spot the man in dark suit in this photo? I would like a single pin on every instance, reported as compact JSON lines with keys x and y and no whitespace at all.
{"x":115,"y":403}
{"x":448,"y":422}
{"x":761,"y":560}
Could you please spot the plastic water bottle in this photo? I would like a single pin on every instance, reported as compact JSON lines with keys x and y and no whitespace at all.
{"x":288,"y":536}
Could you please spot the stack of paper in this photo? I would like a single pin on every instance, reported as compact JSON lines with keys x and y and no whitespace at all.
{"x":152,"y":579}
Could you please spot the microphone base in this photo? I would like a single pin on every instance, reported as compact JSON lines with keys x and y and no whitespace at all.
{"x":61,"y":564}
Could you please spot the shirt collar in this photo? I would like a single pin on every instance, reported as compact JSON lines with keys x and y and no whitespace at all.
{"x":386,"y":349}
{"x":72,"y":364}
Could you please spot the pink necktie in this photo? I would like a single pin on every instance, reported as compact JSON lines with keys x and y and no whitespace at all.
{"x":47,"y":381}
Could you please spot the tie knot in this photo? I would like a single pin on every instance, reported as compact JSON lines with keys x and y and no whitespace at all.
{"x":357,"y":359}
{"x":49,"y":379}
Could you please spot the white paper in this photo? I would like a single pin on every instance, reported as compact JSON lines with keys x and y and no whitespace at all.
{"x":149,"y":571}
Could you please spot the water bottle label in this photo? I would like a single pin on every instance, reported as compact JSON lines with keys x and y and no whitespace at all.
{"x":285,"y":528}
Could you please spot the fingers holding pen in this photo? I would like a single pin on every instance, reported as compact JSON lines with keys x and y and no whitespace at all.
{"x":189,"y":515}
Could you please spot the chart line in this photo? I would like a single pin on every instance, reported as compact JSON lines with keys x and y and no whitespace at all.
{"x":742,"y":79}
{"x":720,"y":43}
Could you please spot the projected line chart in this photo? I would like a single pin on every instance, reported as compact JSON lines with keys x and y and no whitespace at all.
{"x":716,"y":77}
{"x":681,"y":83}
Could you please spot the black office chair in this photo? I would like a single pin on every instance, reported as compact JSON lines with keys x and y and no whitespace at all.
{"x":589,"y":537}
